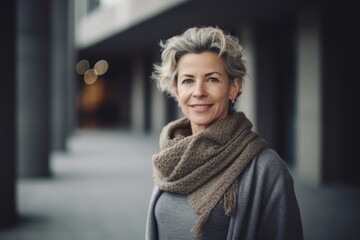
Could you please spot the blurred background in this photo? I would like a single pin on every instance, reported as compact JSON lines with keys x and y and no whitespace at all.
{"x":80,"y":118}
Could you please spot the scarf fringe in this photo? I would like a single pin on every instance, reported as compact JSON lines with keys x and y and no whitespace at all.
{"x":197,"y":229}
{"x":230,"y":199}
{"x":229,"y":207}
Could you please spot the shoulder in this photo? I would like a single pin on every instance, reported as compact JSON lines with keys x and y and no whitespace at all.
{"x":269,"y":160}
{"x":270,"y":169}
{"x":269,"y":156}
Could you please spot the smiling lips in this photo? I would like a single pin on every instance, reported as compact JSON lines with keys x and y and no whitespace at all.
{"x":200,"y":107}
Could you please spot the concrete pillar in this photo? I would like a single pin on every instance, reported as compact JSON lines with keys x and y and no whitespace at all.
{"x":71,"y":91}
{"x":8,"y":117}
{"x":158,"y":110}
{"x":247,"y":100}
{"x":138,"y":95}
{"x":59,"y":74}
{"x":309,"y":95}
{"x":63,"y":85}
{"x":34,"y":66}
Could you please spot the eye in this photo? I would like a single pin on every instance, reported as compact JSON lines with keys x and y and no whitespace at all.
{"x":187,"y":81}
{"x":212,"y":79}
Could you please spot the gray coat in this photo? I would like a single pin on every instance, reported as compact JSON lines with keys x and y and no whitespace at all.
{"x":267,"y":207}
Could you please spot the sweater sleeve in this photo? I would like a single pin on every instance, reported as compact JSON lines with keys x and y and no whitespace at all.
{"x":151,"y":225}
{"x":279,"y":215}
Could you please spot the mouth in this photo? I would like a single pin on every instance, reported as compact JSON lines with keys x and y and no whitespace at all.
{"x":200,"y":106}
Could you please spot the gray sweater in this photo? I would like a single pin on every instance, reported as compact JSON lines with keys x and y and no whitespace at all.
{"x":266,"y":204}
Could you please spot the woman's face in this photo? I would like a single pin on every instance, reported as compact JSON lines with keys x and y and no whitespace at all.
{"x":203,"y":89}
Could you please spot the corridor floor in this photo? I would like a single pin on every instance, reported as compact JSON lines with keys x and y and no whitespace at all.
{"x":101,"y":187}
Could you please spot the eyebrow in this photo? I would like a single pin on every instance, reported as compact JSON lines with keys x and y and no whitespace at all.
{"x":211,"y":73}
{"x":206,"y":75}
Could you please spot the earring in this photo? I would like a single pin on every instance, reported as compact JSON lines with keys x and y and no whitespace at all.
{"x":232,"y":101}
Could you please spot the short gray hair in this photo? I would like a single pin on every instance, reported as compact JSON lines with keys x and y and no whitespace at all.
{"x":197,"y":40}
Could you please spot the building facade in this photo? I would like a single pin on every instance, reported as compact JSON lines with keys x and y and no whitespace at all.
{"x":300,"y":92}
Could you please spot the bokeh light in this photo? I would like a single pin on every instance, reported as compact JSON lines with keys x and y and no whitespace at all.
{"x":90,"y":76}
{"x":101,"y":67}
{"x":82,"y":66}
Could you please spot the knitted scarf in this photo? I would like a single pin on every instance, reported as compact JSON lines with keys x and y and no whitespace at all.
{"x":205,"y":166}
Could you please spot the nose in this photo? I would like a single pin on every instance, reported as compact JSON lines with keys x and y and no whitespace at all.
{"x":199,"y":89}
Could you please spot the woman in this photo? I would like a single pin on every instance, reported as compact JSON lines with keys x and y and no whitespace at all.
{"x":214,"y":177}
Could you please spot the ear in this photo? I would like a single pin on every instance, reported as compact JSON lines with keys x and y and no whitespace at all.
{"x":235,"y":88}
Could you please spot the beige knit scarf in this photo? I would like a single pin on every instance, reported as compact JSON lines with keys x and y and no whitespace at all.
{"x":205,"y":166}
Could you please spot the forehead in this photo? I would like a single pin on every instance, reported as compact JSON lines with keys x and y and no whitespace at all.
{"x":200,"y":63}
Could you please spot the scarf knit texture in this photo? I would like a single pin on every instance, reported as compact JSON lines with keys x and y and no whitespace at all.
{"x":205,"y":166}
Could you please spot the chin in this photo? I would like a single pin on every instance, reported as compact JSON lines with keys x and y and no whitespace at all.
{"x":200,"y":122}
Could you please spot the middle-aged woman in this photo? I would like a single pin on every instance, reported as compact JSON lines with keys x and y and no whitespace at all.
{"x":214,"y":177}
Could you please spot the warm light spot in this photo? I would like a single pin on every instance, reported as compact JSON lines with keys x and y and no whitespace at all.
{"x":82,"y":66}
{"x":90,"y":76}
{"x":101,"y":67}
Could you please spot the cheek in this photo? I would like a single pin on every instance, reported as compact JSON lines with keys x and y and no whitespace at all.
{"x":222,"y":94}
{"x":182,"y":95}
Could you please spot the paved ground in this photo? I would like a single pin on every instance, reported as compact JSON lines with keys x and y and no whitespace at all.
{"x":101,"y":187}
